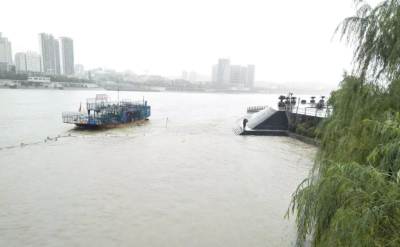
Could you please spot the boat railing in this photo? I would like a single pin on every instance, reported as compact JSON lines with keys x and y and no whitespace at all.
{"x":74,"y":117}
{"x":81,"y":118}
{"x":325,"y":112}
{"x":112,"y":105}
{"x":131,"y":103}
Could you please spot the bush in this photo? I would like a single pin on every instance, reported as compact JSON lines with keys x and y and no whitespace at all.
{"x":305,"y":129}
{"x":292,"y":128}
{"x":311,"y":132}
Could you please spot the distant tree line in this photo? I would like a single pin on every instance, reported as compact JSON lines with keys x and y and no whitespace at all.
{"x":173,"y":83}
{"x":63,"y":78}
{"x":12,"y":75}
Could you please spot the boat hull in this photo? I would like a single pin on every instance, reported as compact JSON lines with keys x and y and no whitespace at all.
{"x":108,"y":126}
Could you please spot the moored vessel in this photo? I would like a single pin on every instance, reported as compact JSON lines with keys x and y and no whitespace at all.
{"x":104,"y":113}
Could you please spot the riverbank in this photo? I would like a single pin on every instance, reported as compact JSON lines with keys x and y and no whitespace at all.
{"x":63,"y":87}
{"x":304,"y":139}
{"x":53,"y":88}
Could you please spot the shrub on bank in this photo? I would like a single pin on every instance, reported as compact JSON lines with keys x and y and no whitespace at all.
{"x":304,"y":129}
{"x":292,"y":128}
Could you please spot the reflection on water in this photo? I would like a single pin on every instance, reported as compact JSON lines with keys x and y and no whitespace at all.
{"x":188,"y":182}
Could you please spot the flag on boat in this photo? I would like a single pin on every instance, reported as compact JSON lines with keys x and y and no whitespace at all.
{"x":80,"y":107}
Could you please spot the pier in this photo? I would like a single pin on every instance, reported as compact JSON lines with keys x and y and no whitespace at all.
{"x":291,"y":113}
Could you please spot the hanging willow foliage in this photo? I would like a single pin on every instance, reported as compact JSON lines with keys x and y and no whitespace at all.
{"x":352,"y":195}
{"x":375,"y":34}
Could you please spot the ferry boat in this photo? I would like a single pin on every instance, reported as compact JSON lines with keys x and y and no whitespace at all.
{"x":104,"y":113}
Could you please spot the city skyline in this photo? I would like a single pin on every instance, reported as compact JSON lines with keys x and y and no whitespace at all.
{"x":57,"y":57}
{"x":303,"y":46}
{"x":72,"y":65}
{"x":224,"y":74}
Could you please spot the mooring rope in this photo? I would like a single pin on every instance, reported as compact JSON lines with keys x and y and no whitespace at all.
{"x":56,"y":138}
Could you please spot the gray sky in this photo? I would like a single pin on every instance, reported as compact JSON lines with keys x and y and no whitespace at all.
{"x":287,"y":40}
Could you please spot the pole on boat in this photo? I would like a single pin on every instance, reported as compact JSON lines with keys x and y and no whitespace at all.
{"x":290,"y":105}
{"x":297,"y":111}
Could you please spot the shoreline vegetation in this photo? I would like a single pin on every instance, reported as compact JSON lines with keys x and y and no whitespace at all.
{"x":352,"y":194}
{"x":12,"y":75}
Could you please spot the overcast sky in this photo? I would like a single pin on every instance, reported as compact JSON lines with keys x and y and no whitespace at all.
{"x":286,"y":40}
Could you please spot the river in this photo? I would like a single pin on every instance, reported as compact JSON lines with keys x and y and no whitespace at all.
{"x":185,"y":181}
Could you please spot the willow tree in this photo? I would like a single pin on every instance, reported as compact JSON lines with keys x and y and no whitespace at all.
{"x":375,"y":35}
{"x":352,"y":195}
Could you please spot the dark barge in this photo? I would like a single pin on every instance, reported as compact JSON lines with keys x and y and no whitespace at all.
{"x":104,"y":113}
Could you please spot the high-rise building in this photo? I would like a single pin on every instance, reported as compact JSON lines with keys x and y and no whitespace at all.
{"x":79,"y":70}
{"x":193,"y":76}
{"x":5,"y":51}
{"x":67,"y":56}
{"x":20,"y":64}
{"x":223,"y":72}
{"x":238,"y":75}
{"x":244,"y":75}
{"x":57,"y":54}
{"x":251,"y":70}
{"x":28,"y":62}
{"x":50,"y":59}
{"x":185,"y":75}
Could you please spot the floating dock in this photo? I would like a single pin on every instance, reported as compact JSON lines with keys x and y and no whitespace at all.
{"x":266,"y":121}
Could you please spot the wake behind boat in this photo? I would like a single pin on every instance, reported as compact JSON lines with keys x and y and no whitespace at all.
{"x":104,"y":113}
